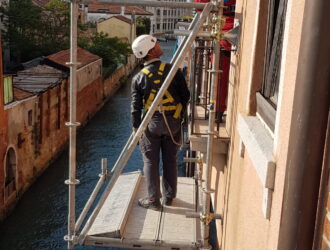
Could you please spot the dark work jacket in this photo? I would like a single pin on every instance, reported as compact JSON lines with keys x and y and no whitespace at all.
{"x":141,"y":88}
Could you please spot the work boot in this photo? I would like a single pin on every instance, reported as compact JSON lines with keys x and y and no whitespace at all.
{"x":149,"y":204}
{"x":168,"y":201}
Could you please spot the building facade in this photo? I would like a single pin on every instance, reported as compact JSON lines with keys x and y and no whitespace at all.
{"x":33,"y":127}
{"x":270,"y":169}
{"x":165,"y":19}
{"x":95,"y":12}
{"x":118,"y":26}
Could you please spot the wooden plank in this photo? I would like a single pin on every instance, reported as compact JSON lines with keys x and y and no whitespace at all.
{"x":113,"y":215}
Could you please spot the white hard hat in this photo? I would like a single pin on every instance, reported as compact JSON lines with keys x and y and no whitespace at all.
{"x":142,"y":44}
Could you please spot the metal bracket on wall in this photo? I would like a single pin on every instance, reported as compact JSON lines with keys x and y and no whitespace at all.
{"x":233,"y":36}
{"x":205,"y":218}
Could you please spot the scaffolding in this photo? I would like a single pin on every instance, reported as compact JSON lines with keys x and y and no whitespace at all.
{"x":206,"y":26}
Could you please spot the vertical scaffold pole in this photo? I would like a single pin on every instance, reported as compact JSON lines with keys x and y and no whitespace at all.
{"x":72,"y":124}
{"x":210,"y":139}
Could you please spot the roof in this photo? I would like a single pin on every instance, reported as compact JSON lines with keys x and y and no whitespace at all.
{"x":122,"y":18}
{"x":84,"y":57}
{"x":95,"y":7}
{"x":32,"y":63}
{"x":21,"y":94}
{"x":37,"y":79}
{"x":40,"y":3}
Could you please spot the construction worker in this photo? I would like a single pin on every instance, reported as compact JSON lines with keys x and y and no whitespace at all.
{"x":164,"y":130}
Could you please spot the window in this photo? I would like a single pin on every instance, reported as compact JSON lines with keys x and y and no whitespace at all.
{"x":8,"y":89}
{"x":48,"y":111}
{"x":30,"y":118}
{"x":158,"y":12}
{"x":10,"y":173}
{"x":41,"y":117}
{"x":59,"y":98}
{"x":267,"y":98}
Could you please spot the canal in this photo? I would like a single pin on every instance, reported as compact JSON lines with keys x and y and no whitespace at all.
{"x":40,"y":219}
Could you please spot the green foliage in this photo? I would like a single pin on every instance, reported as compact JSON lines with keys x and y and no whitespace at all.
{"x":56,"y":20}
{"x":31,"y":32}
{"x":21,"y":20}
{"x":186,"y":18}
{"x":142,"y":25}
{"x":111,"y":49}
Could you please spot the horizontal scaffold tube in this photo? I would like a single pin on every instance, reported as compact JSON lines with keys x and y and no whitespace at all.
{"x":186,"y":33}
{"x":153,"y":3}
{"x":146,"y":244}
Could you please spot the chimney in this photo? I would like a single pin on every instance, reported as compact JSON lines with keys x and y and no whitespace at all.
{"x":122,"y":11}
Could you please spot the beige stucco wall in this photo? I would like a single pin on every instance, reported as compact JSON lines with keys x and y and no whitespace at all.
{"x":115,"y":28}
{"x":238,"y":188}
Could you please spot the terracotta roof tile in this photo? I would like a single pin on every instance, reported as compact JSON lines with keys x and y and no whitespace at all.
{"x":84,"y":57}
{"x":124,"y":19}
{"x":21,"y":94}
{"x":96,"y":7}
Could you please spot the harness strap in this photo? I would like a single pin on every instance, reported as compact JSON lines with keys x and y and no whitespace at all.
{"x":169,"y":98}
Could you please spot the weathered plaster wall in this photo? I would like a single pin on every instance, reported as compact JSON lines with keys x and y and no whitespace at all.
{"x":115,"y":28}
{"x":37,"y":144}
{"x":112,"y":83}
{"x":3,"y":134}
{"x":89,"y":100}
{"x":88,"y":74}
{"x":245,"y":226}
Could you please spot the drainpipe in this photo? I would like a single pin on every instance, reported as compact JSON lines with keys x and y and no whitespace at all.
{"x":306,"y":146}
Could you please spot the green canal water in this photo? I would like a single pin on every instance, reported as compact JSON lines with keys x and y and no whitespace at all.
{"x":40,"y":219}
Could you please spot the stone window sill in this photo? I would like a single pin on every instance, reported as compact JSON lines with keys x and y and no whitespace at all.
{"x":258,"y":143}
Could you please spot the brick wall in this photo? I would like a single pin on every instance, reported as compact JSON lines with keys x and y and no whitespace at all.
{"x":89,"y":100}
{"x":38,"y":142}
{"x":111,"y":84}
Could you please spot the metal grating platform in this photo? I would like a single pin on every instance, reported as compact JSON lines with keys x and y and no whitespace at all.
{"x":122,"y":223}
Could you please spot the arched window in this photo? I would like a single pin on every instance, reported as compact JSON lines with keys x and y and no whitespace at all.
{"x":10,"y":173}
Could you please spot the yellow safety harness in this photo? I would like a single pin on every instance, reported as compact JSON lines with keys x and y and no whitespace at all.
{"x":168,"y":103}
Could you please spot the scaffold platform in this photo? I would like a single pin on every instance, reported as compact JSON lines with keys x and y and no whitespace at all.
{"x":121,"y":222}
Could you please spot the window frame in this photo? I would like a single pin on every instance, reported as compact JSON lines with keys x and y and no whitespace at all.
{"x":266,"y":98}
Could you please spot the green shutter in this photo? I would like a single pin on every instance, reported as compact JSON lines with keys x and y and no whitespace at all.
{"x":8,"y":89}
